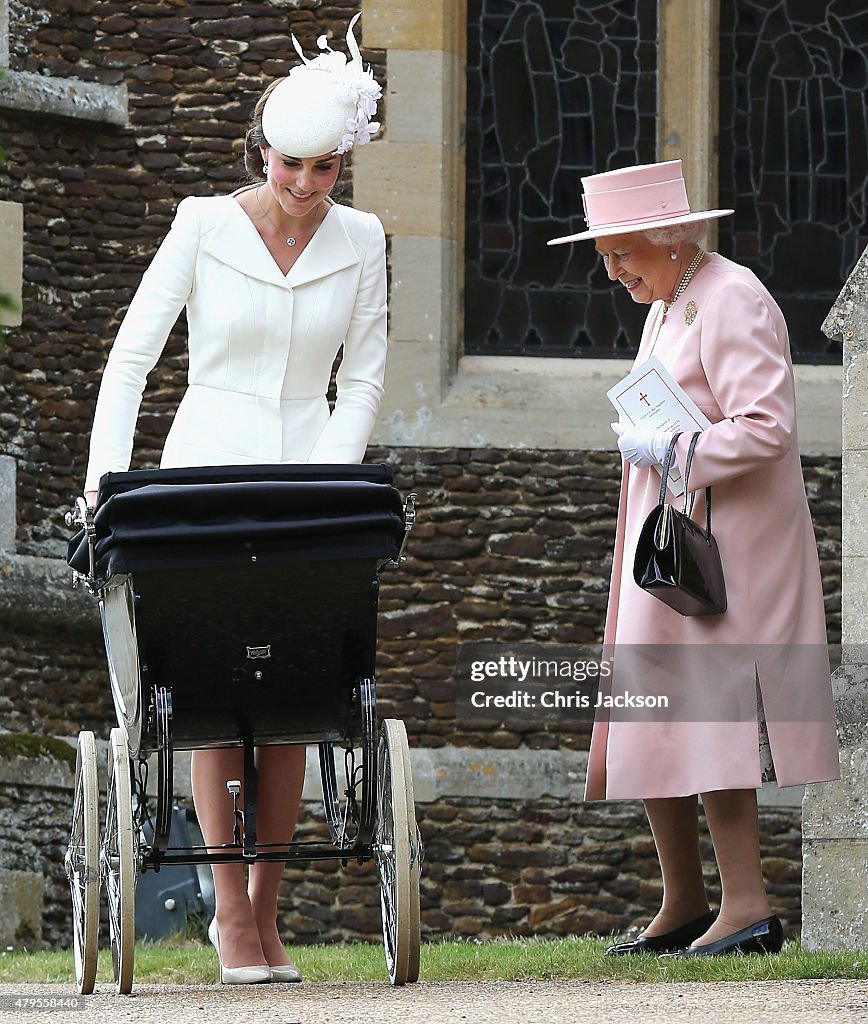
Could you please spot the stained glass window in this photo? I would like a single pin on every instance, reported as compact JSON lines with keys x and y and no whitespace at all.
{"x":794,"y":152}
{"x":556,"y":89}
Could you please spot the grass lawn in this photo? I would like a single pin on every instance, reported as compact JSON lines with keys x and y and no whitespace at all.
{"x":186,"y":961}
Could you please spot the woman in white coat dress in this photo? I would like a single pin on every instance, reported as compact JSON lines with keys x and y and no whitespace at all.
{"x":275,"y":279}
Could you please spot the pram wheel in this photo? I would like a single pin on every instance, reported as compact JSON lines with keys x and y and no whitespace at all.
{"x":82,"y":864}
{"x":117,"y":862}
{"x":399,"y":882}
{"x":413,"y":963}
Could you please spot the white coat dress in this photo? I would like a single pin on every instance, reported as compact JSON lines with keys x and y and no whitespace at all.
{"x":261,"y":344}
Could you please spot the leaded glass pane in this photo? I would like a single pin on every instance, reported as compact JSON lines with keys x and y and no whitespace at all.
{"x":555,"y":90}
{"x":794,"y":152}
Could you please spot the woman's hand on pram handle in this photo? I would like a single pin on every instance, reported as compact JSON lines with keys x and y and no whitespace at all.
{"x":81,"y":515}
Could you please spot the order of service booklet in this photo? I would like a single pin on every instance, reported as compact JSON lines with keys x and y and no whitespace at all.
{"x":650,"y":397}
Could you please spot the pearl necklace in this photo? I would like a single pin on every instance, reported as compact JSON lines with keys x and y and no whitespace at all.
{"x":291,"y":239}
{"x":685,"y":281}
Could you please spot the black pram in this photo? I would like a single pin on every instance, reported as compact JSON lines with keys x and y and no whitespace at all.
{"x":239,"y":608}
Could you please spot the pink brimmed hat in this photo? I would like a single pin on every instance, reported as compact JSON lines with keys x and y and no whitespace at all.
{"x":635,"y":199}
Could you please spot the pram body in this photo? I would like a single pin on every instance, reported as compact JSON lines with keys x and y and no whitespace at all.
{"x":239,"y":608}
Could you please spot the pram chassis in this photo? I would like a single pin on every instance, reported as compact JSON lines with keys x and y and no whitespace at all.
{"x":370,"y":816}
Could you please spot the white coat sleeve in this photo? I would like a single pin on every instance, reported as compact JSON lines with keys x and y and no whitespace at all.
{"x":360,"y":376}
{"x":159,"y":299}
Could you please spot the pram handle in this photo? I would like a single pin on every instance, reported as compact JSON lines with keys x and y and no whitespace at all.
{"x":409,"y":522}
{"x":82,"y":516}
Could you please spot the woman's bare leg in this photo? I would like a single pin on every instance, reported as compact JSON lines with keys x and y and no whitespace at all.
{"x":281,"y":777}
{"x":239,"y":937}
{"x":734,"y":825}
{"x":675,"y":826}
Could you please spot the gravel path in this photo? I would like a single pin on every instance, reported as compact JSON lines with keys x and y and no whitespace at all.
{"x":815,"y":1002}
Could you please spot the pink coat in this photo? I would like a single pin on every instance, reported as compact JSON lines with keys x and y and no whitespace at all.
{"x":734,"y":362}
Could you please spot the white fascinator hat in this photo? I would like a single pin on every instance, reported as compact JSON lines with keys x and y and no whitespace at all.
{"x":324,"y":105}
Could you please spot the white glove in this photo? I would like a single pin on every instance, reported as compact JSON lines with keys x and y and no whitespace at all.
{"x":641,"y":447}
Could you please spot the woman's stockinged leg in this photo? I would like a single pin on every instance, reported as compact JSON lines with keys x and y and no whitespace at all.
{"x":734,"y":825}
{"x":238,"y":934}
{"x":281,"y":777}
{"x":675,"y":826}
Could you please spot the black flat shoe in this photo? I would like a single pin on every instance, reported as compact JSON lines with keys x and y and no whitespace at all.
{"x":678,"y":938}
{"x":766,"y":936}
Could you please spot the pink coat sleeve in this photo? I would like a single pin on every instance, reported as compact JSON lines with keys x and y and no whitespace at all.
{"x":744,"y":353}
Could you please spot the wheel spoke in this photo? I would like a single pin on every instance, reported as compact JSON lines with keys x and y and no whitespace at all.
{"x":117,"y":863}
{"x":81,"y":864}
{"x":416,"y":854}
{"x":393,"y":855}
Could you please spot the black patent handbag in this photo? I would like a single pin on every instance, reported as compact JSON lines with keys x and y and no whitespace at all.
{"x":676,"y":560}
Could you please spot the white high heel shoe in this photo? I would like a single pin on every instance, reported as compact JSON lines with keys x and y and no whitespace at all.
{"x":237,"y":975}
{"x":288,"y":972}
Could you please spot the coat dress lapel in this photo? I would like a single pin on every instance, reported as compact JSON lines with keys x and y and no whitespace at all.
{"x":236,"y":242}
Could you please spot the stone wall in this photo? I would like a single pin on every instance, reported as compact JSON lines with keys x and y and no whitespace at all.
{"x":516,"y":546}
{"x":98,"y":199}
{"x":35,"y":810}
{"x":836,"y":827}
{"x":492,"y":867}
{"x":545,"y":868}
{"x":54,"y":683}
{"x":510,"y":544}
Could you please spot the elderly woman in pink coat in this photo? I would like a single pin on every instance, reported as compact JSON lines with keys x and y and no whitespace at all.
{"x":755,"y":678}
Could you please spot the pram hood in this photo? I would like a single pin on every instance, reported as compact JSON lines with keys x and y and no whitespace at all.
{"x":180,"y":518}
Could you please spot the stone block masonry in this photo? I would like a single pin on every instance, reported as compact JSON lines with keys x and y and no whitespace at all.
{"x":836,"y":824}
{"x":494,"y":866}
{"x":36,"y":785}
{"x":511,"y":544}
{"x":98,"y":199}
{"x":506,"y":867}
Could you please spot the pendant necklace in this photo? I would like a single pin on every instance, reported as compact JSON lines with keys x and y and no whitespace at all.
{"x":291,"y":239}
{"x":685,"y":281}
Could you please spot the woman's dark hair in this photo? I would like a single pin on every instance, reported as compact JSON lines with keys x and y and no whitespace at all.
{"x":255,"y":137}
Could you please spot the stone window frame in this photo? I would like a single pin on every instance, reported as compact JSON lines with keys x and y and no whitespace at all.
{"x":11,"y":266}
{"x":414,"y":180}
{"x":54,"y":95}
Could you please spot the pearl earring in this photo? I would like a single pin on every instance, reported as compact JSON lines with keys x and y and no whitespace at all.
{"x":673,"y":255}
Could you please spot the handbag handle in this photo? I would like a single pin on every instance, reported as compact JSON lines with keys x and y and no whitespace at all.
{"x":667,"y":462}
{"x":689,"y":497}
